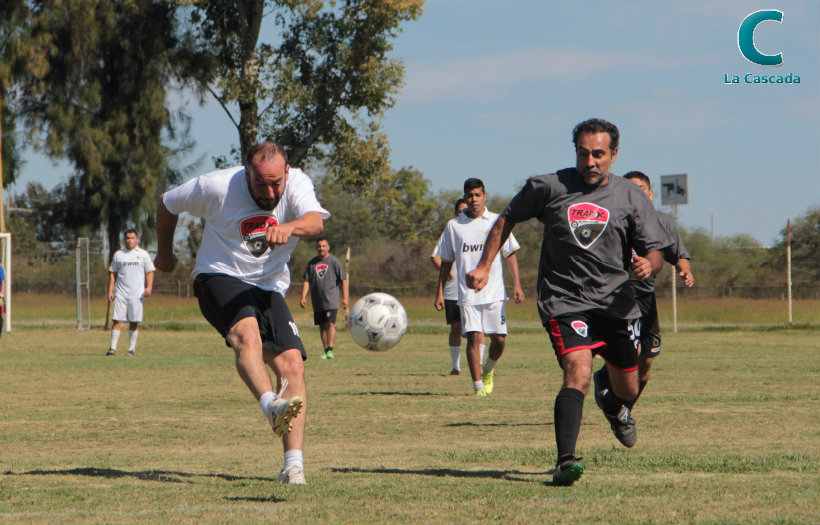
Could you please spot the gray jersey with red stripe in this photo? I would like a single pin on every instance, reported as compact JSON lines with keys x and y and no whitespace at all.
{"x":589,"y":233}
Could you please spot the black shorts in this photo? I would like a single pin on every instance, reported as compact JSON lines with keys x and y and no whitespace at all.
{"x":650,"y":326}
{"x":616,"y":340}
{"x":452,"y":313}
{"x":321,"y":317}
{"x":225,"y":300}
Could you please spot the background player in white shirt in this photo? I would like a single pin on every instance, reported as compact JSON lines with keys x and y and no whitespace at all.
{"x":130,"y":279}
{"x":462,"y":244}
{"x":451,"y":309}
{"x":254,"y":216}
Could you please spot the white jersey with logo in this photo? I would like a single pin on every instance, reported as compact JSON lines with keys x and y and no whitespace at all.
{"x":233,"y":240}
{"x":463,"y":243}
{"x":131,"y":267}
{"x":451,"y":286}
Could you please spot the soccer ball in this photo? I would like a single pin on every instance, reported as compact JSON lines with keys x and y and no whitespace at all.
{"x":377,"y":321}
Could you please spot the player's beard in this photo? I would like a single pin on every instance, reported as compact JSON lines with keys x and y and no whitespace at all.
{"x":595,"y":182}
{"x":266,"y":204}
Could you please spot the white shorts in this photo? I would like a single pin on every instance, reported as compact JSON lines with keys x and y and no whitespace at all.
{"x":488,"y":318}
{"x":127,"y":310}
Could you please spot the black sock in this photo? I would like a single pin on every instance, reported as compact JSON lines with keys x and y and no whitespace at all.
{"x":569,"y":406}
{"x":328,"y":349}
{"x":612,"y":403}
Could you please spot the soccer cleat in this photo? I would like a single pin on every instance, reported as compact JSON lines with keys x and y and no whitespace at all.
{"x":329,"y":354}
{"x":481,"y":393}
{"x":623,"y":426}
{"x":487,"y":377}
{"x":131,"y":352}
{"x":111,"y":351}
{"x":282,"y":410}
{"x":454,"y":372}
{"x":567,"y":472}
{"x":324,"y":356}
{"x":292,"y":475}
{"x":601,"y":387}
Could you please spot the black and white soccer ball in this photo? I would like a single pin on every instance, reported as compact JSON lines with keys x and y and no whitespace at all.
{"x":377,"y":321}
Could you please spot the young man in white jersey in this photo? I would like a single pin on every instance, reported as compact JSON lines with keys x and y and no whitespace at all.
{"x":462,"y":244}
{"x":592,"y":222}
{"x":254,"y":216}
{"x":452,"y":313}
{"x":130,"y":280}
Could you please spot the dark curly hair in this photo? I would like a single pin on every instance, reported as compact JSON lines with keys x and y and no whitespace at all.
{"x":596,"y":125}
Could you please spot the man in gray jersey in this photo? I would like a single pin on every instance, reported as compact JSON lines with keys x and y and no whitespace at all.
{"x":650,"y":346}
{"x":592,"y":220}
{"x":324,"y":277}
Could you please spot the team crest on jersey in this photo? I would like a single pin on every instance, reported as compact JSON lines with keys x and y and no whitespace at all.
{"x":580,"y":328}
{"x":587,"y":222}
{"x":254,"y":230}
{"x":321,"y":270}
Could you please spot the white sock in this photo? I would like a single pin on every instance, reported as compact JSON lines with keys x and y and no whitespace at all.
{"x":132,"y":339}
{"x":478,"y":385}
{"x":294,"y":457}
{"x":265,"y":400}
{"x":455,"y":357}
{"x":115,"y":337}
{"x":481,"y":352}
{"x":489,"y":365}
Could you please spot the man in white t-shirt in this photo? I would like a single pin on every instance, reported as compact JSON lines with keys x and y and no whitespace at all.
{"x":254,"y":216}
{"x":130,"y":279}
{"x":452,"y":313}
{"x":481,"y":312}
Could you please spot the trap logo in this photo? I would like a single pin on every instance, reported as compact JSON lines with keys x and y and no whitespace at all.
{"x":321,"y":270}
{"x":587,"y":222}
{"x":580,"y":328}
{"x":254,"y":230}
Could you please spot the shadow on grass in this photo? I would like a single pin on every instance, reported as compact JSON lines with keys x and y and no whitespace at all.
{"x":165,"y":476}
{"x":510,"y":475}
{"x":394,"y":393}
{"x":471,"y":424}
{"x":272,"y":499}
{"x":507,"y":475}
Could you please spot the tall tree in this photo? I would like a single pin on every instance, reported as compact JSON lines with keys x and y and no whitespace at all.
{"x":320,"y":89}
{"x":14,"y":17}
{"x":97,"y":97}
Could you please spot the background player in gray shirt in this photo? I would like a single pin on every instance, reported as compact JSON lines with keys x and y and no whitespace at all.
{"x":592,"y":220}
{"x":325,"y":276}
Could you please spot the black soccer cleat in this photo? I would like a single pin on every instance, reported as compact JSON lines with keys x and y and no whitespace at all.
{"x":568,"y":471}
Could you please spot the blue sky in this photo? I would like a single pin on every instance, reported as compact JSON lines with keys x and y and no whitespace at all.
{"x":493,"y":89}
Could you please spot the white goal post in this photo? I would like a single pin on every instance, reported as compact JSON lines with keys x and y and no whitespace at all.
{"x":83,"y":284}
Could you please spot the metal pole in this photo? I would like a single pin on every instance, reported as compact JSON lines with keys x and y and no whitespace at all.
{"x":713,"y":227}
{"x":79,"y":289}
{"x":347,"y":272}
{"x":674,"y":287}
{"x":789,"y":266}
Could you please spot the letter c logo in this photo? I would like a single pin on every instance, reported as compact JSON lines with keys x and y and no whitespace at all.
{"x":746,"y":37}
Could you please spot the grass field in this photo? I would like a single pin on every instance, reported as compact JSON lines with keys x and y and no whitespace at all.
{"x":728,"y":428}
